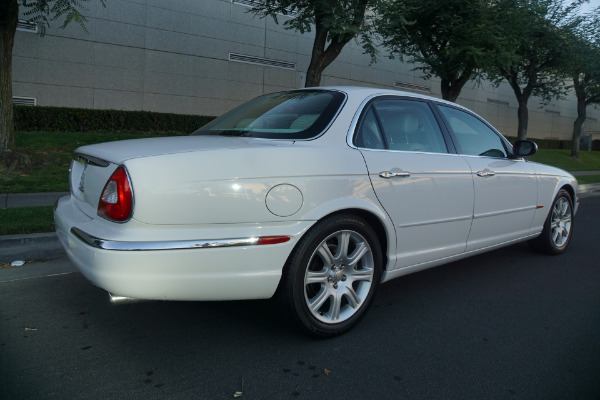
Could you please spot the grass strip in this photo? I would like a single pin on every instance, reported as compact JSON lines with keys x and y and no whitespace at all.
{"x":23,"y":220}
{"x":590,"y":160}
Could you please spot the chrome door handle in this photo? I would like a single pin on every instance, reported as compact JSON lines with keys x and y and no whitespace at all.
{"x":485,"y":173}
{"x":390,"y":174}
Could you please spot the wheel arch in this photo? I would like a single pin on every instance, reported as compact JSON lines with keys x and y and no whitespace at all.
{"x":374,"y":222}
{"x":569,"y":190}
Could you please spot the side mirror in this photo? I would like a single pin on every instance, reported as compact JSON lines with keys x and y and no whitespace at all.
{"x":524,"y":148}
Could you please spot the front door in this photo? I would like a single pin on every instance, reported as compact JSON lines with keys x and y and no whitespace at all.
{"x":505,"y":188}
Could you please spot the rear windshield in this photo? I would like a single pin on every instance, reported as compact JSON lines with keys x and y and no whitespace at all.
{"x":301,"y":114}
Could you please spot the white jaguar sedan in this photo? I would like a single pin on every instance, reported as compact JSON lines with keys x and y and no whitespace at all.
{"x":314,"y":196}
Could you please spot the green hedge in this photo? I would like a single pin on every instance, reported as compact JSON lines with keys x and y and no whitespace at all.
{"x":85,"y":120}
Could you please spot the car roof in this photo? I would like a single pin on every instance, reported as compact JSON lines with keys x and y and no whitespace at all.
{"x":365,"y":92}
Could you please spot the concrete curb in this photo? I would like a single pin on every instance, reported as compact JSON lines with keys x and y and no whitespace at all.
{"x":588,"y":188}
{"x":10,"y":200}
{"x":29,"y":247}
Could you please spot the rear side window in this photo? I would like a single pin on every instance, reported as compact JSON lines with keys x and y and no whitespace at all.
{"x":474,"y":137}
{"x":400,"y":124}
{"x":301,"y":114}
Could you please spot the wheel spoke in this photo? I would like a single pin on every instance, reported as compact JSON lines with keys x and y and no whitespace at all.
{"x":335,"y":306}
{"x":557,"y":237}
{"x":317,"y":276}
{"x":353,"y":299}
{"x":564,"y":207}
{"x":317,"y":302}
{"x":357,"y":254}
{"x":325,"y":254}
{"x":344,"y":245}
{"x":360,"y":275}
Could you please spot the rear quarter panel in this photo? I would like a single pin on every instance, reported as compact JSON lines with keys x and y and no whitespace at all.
{"x":231,"y":186}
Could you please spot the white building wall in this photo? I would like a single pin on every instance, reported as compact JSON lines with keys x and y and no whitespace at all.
{"x":173,"y":56}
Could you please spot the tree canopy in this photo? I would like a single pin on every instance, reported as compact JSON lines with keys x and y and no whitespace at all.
{"x":537,"y":28}
{"x":455,"y":40}
{"x":582,"y":65}
{"x":335,"y":24}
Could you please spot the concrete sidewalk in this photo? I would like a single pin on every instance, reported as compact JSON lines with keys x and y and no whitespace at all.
{"x":583,"y":173}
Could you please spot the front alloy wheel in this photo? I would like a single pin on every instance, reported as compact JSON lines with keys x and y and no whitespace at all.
{"x":332,"y":275}
{"x":560,"y":223}
{"x":558,"y":228}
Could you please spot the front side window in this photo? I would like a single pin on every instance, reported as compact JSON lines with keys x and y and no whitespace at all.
{"x":474,"y":137}
{"x":400,"y":124}
{"x":295,"y":115}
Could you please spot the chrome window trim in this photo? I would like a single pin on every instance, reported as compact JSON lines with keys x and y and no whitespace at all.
{"x":397,"y":94}
{"x":105,"y":244}
{"x":405,"y":151}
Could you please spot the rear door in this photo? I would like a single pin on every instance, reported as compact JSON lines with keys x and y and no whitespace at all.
{"x":426,"y":190}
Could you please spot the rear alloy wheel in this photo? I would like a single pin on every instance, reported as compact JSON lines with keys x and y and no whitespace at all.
{"x":332,"y":276}
{"x":558,"y":227}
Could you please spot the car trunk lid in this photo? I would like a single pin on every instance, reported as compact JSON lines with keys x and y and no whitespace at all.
{"x":93,"y":165}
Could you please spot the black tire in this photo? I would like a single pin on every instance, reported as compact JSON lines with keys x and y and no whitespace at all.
{"x":326,"y":271}
{"x":558,"y":228}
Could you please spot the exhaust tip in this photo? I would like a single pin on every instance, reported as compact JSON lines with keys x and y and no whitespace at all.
{"x":116,"y":299}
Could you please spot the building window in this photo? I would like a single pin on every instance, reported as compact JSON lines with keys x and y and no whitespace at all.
{"x":24,"y":101}
{"x":265,"y":62}
{"x":25,"y":26}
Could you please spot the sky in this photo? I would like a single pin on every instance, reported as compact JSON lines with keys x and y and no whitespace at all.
{"x":590,"y":6}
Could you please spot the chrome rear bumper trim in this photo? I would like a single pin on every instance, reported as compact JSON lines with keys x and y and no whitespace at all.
{"x":164,"y":245}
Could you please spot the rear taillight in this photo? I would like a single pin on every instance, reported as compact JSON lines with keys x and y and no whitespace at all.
{"x":116,"y":201}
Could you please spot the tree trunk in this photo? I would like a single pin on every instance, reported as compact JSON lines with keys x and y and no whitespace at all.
{"x":315,"y":68}
{"x":9,"y":13}
{"x":523,"y":116}
{"x":522,"y":96}
{"x":450,"y":91}
{"x":451,"y":88}
{"x":322,"y":57}
{"x":581,"y":115}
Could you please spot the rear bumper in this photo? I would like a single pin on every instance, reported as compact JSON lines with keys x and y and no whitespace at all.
{"x":175,"y":266}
